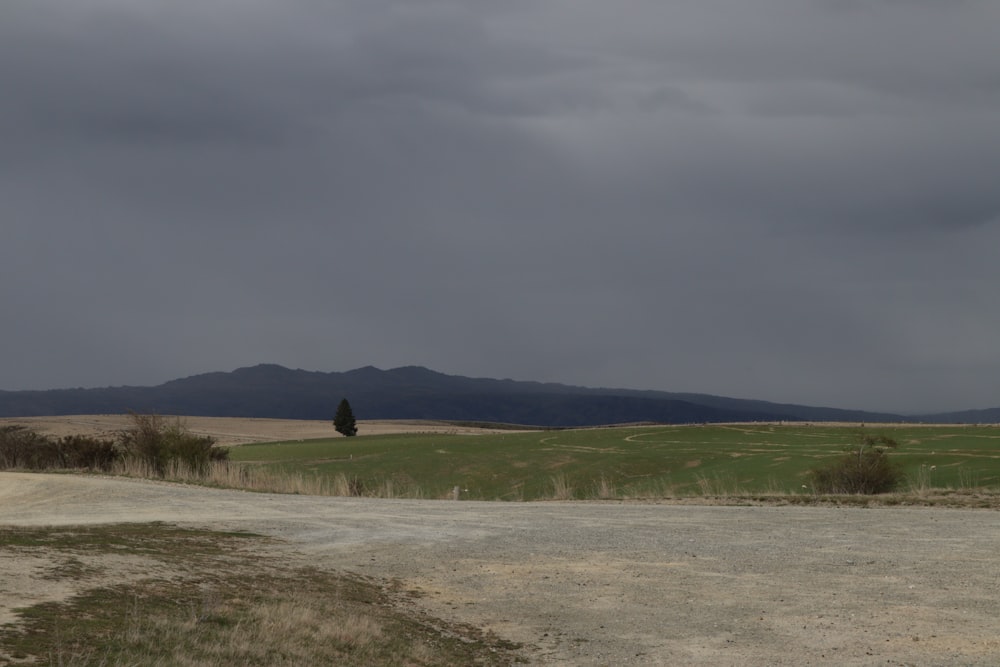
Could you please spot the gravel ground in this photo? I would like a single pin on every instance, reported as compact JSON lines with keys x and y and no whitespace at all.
{"x":616,"y":584}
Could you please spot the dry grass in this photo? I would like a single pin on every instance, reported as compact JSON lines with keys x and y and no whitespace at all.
{"x":719,"y":486}
{"x":604,"y":489}
{"x":271,"y":632}
{"x":274,"y":631}
{"x":711,"y":490}
{"x":225,"y":602}
{"x":231,"y":475}
{"x":561,"y":487}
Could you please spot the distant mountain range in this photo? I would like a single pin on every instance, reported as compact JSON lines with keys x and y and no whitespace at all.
{"x":414,"y":392}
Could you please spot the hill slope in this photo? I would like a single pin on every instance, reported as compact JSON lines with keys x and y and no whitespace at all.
{"x":409,"y":392}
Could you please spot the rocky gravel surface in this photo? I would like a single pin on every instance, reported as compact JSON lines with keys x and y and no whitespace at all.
{"x":616,"y":583}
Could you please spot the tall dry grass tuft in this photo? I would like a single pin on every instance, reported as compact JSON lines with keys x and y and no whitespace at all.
{"x":919,"y":483}
{"x":345,"y":486}
{"x":718,"y":486}
{"x":230,"y":475}
{"x":561,"y":488}
{"x":387,"y":489}
{"x":660,"y":487}
{"x":775,"y":489}
{"x":705,"y":486}
{"x":604,"y":489}
{"x":274,"y":480}
{"x":969,"y":479}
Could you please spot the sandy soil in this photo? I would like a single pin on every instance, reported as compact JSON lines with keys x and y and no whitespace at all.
{"x":602,"y":583}
{"x":234,"y":430}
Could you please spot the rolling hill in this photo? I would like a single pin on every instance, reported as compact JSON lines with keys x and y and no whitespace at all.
{"x":413,"y":392}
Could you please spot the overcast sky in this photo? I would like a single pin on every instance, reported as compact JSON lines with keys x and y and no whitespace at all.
{"x":791,"y":200}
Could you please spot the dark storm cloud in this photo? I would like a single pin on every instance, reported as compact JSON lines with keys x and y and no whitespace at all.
{"x":768,"y":198}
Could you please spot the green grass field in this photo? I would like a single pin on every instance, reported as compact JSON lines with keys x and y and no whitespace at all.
{"x":628,"y":462}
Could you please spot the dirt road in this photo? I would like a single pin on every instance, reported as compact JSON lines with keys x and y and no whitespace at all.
{"x":616,"y":584}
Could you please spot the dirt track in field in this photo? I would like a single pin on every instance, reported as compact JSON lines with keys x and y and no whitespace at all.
{"x":602,"y":583}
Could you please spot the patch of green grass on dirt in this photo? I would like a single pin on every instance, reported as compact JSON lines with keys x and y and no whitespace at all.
{"x":163,"y":539}
{"x":223,"y":602}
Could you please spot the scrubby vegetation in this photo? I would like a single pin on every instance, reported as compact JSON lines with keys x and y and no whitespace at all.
{"x":160,"y":444}
{"x":22,"y":448}
{"x":865,"y":468}
{"x":151,"y":442}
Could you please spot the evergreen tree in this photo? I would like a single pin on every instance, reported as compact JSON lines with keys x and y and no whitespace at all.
{"x":343,"y":421}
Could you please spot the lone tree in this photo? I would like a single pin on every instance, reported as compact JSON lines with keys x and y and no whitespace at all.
{"x":343,"y":421}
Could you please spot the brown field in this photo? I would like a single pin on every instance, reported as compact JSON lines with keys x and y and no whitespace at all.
{"x":234,"y":430}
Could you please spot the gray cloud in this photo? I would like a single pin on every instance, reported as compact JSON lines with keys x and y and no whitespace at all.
{"x":766,"y":198}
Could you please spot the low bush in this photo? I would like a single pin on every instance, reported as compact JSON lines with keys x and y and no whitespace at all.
{"x":81,"y":451}
{"x":25,"y":449}
{"x":155,"y":443}
{"x":863,"y":469}
{"x":160,"y":444}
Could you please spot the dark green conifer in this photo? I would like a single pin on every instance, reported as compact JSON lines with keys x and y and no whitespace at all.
{"x":343,"y":421}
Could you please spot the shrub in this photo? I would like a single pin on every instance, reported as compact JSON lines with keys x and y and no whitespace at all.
{"x":81,"y":451}
{"x":23,"y":448}
{"x":158,"y":443}
{"x":864,"y":469}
